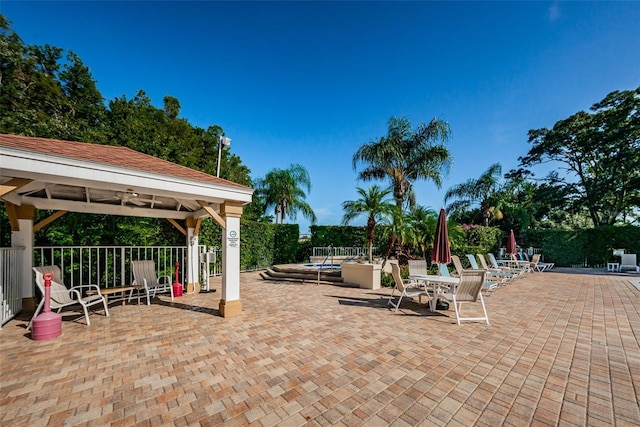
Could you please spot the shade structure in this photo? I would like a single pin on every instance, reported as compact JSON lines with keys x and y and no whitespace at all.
{"x":441,"y":253}
{"x":512,"y":247}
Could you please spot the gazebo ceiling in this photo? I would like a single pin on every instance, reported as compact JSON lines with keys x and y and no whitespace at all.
{"x":91,"y":178}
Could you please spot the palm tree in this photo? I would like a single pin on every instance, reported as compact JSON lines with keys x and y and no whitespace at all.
{"x":422,"y":228}
{"x":280,"y":189}
{"x":373,"y":203}
{"x":483,"y":192}
{"x":406,"y":155}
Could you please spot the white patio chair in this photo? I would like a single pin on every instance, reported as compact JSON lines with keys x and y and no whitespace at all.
{"x":467,"y":291}
{"x":61,"y":296}
{"x":145,"y":280}
{"x":628,"y":262}
{"x":406,"y":289}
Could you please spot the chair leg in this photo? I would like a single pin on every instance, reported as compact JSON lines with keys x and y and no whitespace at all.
{"x":86,"y":314}
{"x":106,"y":309}
{"x":484,"y":309}
{"x":457,"y":309}
{"x":35,"y":314}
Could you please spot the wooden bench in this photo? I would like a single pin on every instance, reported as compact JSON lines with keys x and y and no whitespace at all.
{"x":122,"y":290}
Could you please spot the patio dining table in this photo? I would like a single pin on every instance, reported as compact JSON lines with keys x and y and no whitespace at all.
{"x":435,"y":283}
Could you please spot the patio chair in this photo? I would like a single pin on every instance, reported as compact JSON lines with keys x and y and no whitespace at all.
{"x":457,"y":264}
{"x":61,"y":296}
{"x":492,"y":281}
{"x":628,"y":262}
{"x":406,"y":289}
{"x":145,"y":280}
{"x":418,"y":267}
{"x":467,"y":291}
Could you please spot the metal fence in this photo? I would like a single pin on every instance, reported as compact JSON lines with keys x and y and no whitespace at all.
{"x":10,"y":292}
{"x":110,"y":266}
{"x":342,"y":251}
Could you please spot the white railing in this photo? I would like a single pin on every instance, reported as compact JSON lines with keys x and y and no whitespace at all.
{"x":109,"y":266}
{"x":342,"y":251}
{"x":10,"y":292}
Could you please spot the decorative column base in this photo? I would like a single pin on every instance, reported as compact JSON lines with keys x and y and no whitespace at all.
{"x":193,"y":288}
{"x":230,"y":308}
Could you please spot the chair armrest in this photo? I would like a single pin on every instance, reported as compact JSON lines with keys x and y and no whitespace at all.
{"x":95,"y":288}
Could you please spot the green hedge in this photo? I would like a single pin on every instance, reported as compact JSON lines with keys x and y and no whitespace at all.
{"x":262,"y":244}
{"x":589,"y":247}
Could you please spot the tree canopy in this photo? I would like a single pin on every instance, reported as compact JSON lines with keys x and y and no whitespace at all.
{"x":49,"y":92}
{"x":406,"y":155}
{"x":599,"y":152}
{"x":284,"y":190}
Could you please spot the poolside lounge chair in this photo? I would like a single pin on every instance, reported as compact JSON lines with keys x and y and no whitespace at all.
{"x":61,"y":296}
{"x":503,"y":273}
{"x":492,"y":281}
{"x":467,"y":291}
{"x":628,"y":262}
{"x":406,"y":289}
{"x":145,"y":280}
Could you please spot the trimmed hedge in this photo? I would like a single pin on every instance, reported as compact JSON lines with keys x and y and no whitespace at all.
{"x":262,"y":244}
{"x":588,"y":247}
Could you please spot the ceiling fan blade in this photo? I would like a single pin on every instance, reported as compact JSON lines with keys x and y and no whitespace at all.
{"x":136,"y":202}
{"x":157,"y":202}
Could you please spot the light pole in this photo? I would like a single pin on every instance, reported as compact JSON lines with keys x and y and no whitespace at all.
{"x":223,"y":142}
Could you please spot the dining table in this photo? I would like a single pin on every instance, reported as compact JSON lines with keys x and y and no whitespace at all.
{"x":435,"y":283}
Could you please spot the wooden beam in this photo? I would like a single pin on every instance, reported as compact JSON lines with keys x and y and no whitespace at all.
{"x":13,"y":184}
{"x":178,"y":226}
{"x":13,"y":216}
{"x":196,"y":230}
{"x":215,"y":215}
{"x":48,"y":220}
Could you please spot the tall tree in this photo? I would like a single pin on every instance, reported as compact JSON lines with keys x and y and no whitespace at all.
{"x":374,"y":204}
{"x":483,"y":192}
{"x":406,"y":155}
{"x":283,"y":190}
{"x":600,"y":153}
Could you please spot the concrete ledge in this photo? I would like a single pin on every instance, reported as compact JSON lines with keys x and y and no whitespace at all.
{"x":366,"y":276}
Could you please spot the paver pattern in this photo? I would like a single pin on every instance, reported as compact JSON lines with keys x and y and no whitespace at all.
{"x":562,"y":349}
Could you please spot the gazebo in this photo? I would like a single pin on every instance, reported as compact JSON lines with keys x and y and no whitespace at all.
{"x":67,"y":176}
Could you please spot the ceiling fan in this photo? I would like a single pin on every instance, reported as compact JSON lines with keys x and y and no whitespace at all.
{"x":133,"y":198}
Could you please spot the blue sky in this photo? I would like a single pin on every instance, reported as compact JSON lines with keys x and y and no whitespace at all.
{"x":308,"y":83}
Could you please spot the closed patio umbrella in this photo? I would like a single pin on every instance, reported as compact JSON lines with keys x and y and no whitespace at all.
{"x":441,"y":253}
{"x":512,"y":247}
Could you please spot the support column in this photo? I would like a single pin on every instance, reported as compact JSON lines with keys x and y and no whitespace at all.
{"x":192,"y":281}
{"x":230,"y":304}
{"x":22,"y":238}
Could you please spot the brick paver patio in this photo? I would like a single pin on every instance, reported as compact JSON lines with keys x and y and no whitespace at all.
{"x":562,"y":349}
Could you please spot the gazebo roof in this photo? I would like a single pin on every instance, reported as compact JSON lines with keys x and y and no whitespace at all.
{"x":92,"y":178}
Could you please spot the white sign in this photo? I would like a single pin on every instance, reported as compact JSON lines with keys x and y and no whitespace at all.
{"x":233,"y":239}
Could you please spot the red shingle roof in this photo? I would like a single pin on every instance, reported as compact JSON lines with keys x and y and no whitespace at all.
{"x":109,"y":155}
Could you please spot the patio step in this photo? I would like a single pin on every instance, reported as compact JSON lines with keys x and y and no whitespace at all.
{"x":300,"y":276}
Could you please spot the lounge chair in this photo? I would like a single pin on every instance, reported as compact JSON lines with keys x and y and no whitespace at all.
{"x":467,"y":291}
{"x":492,"y":280}
{"x":628,"y":262}
{"x":145,"y":280}
{"x":406,"y":289}
{"x":61,"y":296}
{"x":503,"y":273}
